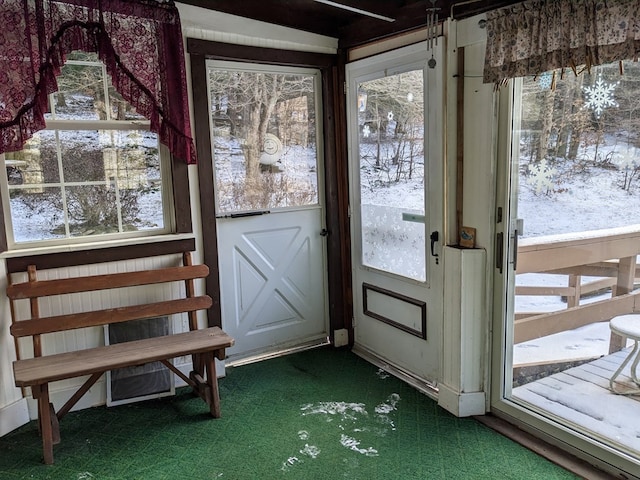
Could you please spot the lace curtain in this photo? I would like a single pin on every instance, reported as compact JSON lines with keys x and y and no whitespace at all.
{"x":537,"y":36}
{"x":140,"y":42}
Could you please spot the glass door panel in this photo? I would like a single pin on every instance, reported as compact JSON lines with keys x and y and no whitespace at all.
{"x":264,"y":135}
{"x":395,"y":115}
{"x":391,"y":146}
{"x":577,"y":234}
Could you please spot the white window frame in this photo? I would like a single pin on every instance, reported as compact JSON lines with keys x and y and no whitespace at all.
{"x":54,"y":125}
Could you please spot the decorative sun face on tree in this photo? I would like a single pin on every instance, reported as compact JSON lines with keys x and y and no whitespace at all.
{"x":270,"y":145}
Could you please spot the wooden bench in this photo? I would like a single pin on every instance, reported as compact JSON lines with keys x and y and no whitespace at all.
{"x":204,"y":345}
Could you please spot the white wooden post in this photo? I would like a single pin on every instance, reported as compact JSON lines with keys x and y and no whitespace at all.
{"x":461,"y":390}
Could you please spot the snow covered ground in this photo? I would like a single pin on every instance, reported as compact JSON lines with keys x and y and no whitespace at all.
{"x":589,"y":341}
{"x":592,"y":201}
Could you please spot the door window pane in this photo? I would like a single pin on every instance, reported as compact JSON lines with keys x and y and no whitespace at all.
{"x":264,"y":139}
{"x":392,"y":192}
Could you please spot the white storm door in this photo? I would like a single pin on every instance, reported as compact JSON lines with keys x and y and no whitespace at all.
{"x":269,"y":210}
{"x":395,"y":117}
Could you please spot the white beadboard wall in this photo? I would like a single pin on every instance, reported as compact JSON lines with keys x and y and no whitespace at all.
{"x":13,"y":408}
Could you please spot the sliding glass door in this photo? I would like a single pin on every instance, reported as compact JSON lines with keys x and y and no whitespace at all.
{"x":570,"y":253}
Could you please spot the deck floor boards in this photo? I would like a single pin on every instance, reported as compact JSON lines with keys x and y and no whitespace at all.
{"x":581,"y":397}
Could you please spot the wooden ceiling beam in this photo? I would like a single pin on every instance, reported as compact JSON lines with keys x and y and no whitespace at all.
{"x":350,"y":28}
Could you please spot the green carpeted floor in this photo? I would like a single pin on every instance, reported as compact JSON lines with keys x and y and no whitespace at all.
{"x":319,"y":414}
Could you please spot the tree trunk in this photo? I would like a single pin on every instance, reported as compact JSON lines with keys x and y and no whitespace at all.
{"x":546,"y":117}
{"x":265,"y":100}
{"x":576,"y":129}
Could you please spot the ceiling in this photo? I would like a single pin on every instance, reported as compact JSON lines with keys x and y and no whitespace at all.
{"x":346,"y":20}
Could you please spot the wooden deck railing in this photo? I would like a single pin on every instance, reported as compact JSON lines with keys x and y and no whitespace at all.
{"x":609,"y":254}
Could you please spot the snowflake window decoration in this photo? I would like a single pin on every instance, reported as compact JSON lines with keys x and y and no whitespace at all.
{"x":544,"y":82}
{"x":366,"y":131}
{"x":542,"y":175}
{"x":600,"y":96}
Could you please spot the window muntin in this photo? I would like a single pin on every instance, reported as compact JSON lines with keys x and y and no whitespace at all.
{"x":96,"y":172}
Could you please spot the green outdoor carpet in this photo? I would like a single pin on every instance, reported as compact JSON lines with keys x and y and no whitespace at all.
{"x":318,"y":414}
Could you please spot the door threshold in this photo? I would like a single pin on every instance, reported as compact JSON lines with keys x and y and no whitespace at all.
{"x":278,"y":353}
{"x":416,"y":382}
{"x":553,"y":453}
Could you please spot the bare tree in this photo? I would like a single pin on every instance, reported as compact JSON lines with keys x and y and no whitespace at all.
{"x":394,"y":113}
{"x":250,"y":99}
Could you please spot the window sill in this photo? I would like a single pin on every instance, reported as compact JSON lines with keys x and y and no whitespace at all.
{"x":77,"y":247}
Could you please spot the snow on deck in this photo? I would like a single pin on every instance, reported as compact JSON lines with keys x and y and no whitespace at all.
{"x":581,"y":396}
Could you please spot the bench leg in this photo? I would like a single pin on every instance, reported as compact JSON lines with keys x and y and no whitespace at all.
{"x":41,"y":393}
{"x":198,"y":363}
{"x":212,"y":380}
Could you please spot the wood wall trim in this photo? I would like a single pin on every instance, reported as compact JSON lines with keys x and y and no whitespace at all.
{"x":181,"y":196}
{"x":266,"y":56}
{"x":99,"y":255}
{"x":205,"y":182}
{"x":337,"y":192}
{"x":459,"y":145}
{"x":3,"y":231}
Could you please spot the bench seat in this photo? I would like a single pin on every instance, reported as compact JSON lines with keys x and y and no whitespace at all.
{"x":61,"y":366}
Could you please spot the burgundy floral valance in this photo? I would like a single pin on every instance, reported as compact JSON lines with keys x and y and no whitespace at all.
{"x":140,"y":42}
{"x":537,"y":36}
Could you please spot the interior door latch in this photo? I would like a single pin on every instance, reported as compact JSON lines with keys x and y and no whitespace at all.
{"x":434,"y":238}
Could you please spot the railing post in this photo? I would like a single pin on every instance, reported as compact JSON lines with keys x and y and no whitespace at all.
{"x":574,"y":282}
{"x":626,"y":278}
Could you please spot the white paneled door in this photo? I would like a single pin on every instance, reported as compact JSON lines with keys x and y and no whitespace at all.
{"x":271,"y":268}
{"x":395,"y":115}
{"x":269,"y":209}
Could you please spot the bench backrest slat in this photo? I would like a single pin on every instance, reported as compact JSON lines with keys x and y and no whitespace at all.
{"x":96,"y":318}
{"x":43,"y":288}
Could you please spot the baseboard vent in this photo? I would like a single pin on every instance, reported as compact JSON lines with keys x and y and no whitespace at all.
{"x":134,"y":384}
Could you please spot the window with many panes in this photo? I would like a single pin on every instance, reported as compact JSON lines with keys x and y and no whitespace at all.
{"x":95,"y":173}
